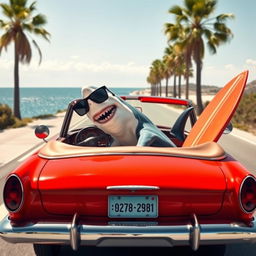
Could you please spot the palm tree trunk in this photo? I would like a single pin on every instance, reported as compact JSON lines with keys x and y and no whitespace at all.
{"x":187,"y":81}
{"x":179,"y":87}
{"x":174,"y":86}
{"x":166,"y":87}
{"x":198,"y":87}
{"x":16,"y":103}
{"x":187,"y":88}
{"x":160,"y":85}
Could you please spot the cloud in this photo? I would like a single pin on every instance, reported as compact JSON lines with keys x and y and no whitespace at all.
{"x":250,"y":62}
{"x":230,"y":67}
{"x":81,"y":66}
{"x":6,"y":64}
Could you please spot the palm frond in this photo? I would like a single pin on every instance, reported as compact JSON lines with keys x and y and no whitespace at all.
{"x":6,"y":39}
{"x":28,"y":26}
{"x":199,"y":9}
{"x":224,"y":17}
{"x":222,"y":28}
{"x":39,"y":20}
{"x":208,"y":33}
{"x":212,"y":47}
{"x":39,"y":51}
{"x":176,"y":10}
{"x":189,"y":5}
{"x":172,"y":31}
{"x":223,"y":37}
{"x":7,"y":10}
{"x":21,"y":3}
{"x":42,"y":32}
{"x":23,"y":48}
{"x":182,"y":18}
{"x":32,"y":7}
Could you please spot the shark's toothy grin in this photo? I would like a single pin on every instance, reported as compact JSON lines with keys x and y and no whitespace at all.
{"x":105,"y":115}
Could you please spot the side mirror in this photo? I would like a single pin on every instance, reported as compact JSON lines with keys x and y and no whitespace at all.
{"x":42,"y":132}
{"x":228,"y":129}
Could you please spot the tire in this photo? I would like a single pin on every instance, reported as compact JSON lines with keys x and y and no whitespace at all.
{"x":46,"y":249}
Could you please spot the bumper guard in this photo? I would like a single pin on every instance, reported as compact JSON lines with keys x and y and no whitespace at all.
{"x":192,"y":234}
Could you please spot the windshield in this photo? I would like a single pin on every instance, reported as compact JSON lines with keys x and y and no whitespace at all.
{"x":159,"y":114}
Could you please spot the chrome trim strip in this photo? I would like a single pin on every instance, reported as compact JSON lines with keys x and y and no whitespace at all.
{"x":143,"y":154}
{"x":112,"y":235}
{"x":132,"y":187}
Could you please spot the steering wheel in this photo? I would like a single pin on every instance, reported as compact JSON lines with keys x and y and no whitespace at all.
{"x":178,"y":129}
{"x":93,"y":137}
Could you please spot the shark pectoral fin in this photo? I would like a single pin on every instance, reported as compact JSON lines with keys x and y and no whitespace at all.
{"x":146,"y":138}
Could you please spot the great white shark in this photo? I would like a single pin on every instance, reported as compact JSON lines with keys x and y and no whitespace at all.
{"x":126,"y":124}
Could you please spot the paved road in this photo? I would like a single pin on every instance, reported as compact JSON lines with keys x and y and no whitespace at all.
{"x":240,"y":149}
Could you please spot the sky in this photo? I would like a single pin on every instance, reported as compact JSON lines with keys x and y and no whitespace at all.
{"x":114,"y":42}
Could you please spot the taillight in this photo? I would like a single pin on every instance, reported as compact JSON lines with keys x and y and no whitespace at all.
{"x":248,"y":194}
{"x":13,"y":193}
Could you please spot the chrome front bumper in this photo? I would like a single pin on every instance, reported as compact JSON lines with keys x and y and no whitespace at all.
{"x":192,"y":234}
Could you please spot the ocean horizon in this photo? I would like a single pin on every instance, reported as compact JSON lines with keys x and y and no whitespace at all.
{"x":35,"y":101}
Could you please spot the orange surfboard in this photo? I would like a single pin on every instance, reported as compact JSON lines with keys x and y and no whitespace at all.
{"x":218,"y":113}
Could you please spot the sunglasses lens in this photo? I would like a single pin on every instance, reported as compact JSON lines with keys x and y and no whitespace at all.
{"x":99,"y":95}
{"x":81,"y":107}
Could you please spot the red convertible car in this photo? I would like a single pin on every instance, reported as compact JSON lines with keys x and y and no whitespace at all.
{"x":79,"y":190}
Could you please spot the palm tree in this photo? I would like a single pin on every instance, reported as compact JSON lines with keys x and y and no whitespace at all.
{"x":194,"y":25}
{"x":179,"y":67}
{"x":185,"y":51}
{"x":152,"y":80}
{"x":21,"y":20}
{"x":170,"y":58}
{"x":158,"y":70}
{"x":169,"y":65}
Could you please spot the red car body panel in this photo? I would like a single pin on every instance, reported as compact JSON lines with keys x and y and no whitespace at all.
{"x":210,"y":188}
{"x":82,"y":183}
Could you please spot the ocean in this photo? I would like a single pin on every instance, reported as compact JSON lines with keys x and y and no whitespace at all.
{"x":40,"y":101}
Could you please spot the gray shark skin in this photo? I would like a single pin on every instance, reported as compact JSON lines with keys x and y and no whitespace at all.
{"x":147,"y":133}
{"x":124,"y":123}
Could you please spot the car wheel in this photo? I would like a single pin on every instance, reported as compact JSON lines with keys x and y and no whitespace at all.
{"x":210,"y":250}
{"x":46,"y":249}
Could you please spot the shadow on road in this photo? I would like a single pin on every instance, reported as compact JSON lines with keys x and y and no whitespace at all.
{"x":133,"y":251}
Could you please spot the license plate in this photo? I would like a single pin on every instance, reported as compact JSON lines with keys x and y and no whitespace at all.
{"x":133,"y":206}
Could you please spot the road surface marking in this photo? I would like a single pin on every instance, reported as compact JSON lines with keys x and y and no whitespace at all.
{"x":3,"y":211}
{"x":244,"y":139}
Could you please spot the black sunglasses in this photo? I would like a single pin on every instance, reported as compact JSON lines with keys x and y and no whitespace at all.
{"x":98,"y":96}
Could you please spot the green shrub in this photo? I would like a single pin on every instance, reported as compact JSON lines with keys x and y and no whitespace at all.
{"x":61,"y":111}
{"x":44,"y":116}
{"x":245,"y":116}
{"x":19,"y":123}
{"x":6,"y":117}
